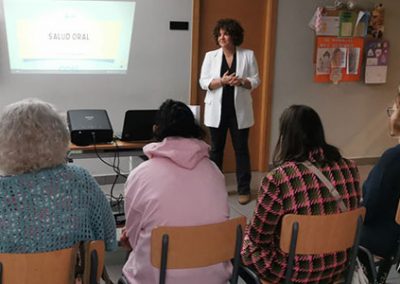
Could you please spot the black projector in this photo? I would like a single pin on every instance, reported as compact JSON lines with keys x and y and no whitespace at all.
{"x":89,"y":126}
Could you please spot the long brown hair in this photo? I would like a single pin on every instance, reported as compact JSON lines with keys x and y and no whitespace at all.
{"x":301,"y":131}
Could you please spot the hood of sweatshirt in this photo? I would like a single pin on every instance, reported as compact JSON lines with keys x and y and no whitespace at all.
{"x":185,"y":152}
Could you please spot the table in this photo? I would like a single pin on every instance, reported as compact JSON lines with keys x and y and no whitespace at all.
{"x":126,"y":149}
{"x":116,"y":148}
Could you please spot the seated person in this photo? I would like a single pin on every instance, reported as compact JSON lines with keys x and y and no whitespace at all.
{"x":178,"y":186}
{"x":381,"y":193}
{"x":291,"y":188}
{"x":45,"y":204}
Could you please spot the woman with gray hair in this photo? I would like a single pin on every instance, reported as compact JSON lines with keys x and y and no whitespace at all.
{"x":45,"y":204}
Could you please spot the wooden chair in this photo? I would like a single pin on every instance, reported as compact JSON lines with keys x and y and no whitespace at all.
{"x":93,"y":261}
{"x":39,"y":268}
{"x":319,"y":234}
{"x":197,"y":246}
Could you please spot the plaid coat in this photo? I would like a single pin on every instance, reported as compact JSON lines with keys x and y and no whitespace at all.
{"x":292,"y":189}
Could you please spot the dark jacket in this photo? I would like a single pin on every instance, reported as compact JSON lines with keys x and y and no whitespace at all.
{"x":381,"y":193}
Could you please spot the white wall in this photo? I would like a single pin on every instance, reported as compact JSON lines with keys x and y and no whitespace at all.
{"x":353,"y":113}
{"x":159,"y":68}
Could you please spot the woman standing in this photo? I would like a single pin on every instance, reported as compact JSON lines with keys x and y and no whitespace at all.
{"x":229,"y":74}
{"x":292,"y":188}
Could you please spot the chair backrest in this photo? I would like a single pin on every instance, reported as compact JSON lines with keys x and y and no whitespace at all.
{"x":319,"y":234}
{"x":93,"y":261}
{"x":196,"y":246}
{"x":39,"y":268}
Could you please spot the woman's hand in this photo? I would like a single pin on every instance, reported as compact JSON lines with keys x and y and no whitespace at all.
{"x":236,"y":81}
{"x":231,"y":80}
{"x":240,"y":82}
{"x":220,"y":82}
{"x":124,"y":240}
{"x":225,"y":79}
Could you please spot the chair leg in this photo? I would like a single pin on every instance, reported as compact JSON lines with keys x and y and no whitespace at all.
{"x":292,"y":252}
{"x":1,"y":273}
{"x":164,"y":255}
{"x":122,"y":280}
{"x":366,"y":259}
{"x":94,"y":263}
{"x":397,"y":257}
{"x":236,"y":259}
{"x":354,"y":252}
{"x":105,"y":276}
{"x":383,"y":270}
{"x":248,"y":275}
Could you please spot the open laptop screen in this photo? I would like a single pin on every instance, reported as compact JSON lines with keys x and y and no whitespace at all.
{"x":138,"y":125}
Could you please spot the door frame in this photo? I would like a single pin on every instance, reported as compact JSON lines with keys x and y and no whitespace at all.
{"x":267,"y":68}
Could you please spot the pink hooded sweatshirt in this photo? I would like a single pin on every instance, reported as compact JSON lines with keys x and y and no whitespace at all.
{"x":177,"y":186}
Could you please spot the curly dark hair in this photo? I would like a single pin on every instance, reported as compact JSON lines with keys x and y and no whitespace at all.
{"x":232,"y":28}
{"x":175,"y":118}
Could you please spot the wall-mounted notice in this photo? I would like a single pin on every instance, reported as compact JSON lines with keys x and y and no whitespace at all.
{"x":338,"y":59}
{"x":377,"y":59}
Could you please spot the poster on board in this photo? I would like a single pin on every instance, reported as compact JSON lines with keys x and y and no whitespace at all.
{"x":377,"y":52}
{"x":338,"y":59}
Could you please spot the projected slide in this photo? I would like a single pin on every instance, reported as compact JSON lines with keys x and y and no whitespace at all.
{"x":51,"y":36}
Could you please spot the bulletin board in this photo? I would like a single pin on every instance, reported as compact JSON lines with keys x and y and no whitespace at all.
{"x":341,"y":31}
{"x":340,"y":54}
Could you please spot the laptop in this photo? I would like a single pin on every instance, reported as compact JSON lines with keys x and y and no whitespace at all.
{"x":138,"y":125}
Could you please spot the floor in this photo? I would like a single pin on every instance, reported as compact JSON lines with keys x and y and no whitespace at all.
{"x":115,"y":260}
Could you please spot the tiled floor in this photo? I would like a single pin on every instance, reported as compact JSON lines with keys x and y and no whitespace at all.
{"x":115,"y":260}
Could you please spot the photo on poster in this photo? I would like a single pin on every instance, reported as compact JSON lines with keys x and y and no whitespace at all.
{"x":353,"y":59}
{"x":376,"y":22}
{"x":329,"y":26}
{"x":323,"y":61}
{"x":339,"y":57}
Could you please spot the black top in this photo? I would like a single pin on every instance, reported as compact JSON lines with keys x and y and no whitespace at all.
{"x":228,"y":104}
